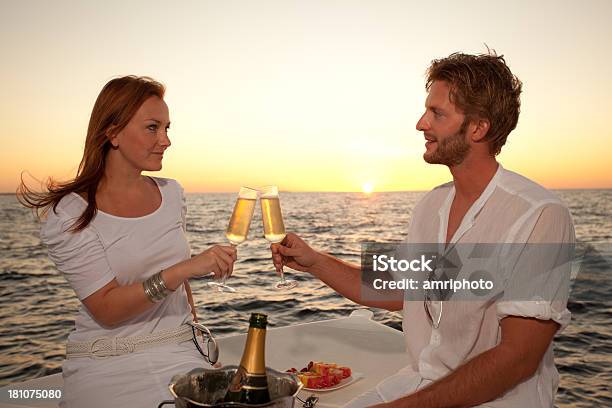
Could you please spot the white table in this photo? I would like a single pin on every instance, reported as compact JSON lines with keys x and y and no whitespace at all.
{"x":356,"y":341}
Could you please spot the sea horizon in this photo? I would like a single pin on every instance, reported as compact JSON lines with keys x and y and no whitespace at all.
{"x":6,"y":193}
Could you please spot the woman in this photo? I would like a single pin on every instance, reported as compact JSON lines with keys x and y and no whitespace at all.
{"x":119,"y":238}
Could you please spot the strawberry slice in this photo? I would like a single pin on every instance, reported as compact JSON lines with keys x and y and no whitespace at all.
{"x":337,"y":374}
{"x":346,"y":372}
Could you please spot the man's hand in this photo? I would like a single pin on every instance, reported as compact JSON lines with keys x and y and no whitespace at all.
{"x":294,"y":253}
{"x":343,"y":277}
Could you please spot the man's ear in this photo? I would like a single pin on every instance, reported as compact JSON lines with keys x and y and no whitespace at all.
{"x":479,"y":129}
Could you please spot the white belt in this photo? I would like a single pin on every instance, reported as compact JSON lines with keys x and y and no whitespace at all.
{"x":115,"y":346}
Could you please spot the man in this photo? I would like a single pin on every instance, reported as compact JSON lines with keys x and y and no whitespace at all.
{"x":494,"y":353}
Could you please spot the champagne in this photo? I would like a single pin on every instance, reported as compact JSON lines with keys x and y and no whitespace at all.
{"x":238,"y":227}
{"x":274,"y":228}
{"x":250,"y":384}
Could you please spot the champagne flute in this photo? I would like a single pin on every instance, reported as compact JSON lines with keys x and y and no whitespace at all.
{"x":274,"y":228}
{"x":238,"y":227}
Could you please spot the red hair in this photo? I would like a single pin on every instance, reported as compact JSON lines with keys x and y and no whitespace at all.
{"x":115,"y":106}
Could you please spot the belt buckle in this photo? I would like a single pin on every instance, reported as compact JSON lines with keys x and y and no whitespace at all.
{"x":99,"y":351}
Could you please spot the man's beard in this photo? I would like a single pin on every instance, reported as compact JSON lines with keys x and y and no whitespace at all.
{"x":451,"y":151}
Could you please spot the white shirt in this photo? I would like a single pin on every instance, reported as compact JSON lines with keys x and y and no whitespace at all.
{"x":511,"y":209}
{"x":129,"y":250}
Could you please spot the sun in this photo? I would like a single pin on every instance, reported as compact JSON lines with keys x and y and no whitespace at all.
{"x":367,"y":188}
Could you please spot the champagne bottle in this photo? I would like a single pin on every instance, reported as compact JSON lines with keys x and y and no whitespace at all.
{"x":250,"y":384}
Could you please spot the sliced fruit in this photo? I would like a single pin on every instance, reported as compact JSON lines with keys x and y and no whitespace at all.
{"x":346,"y":372}
{"x":323,"y":368}
{"x":337,"y":374}
{"x":310,"y":380}
{"x":320,"y":374}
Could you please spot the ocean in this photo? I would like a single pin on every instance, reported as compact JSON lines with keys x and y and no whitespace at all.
{"x":38,"y":306}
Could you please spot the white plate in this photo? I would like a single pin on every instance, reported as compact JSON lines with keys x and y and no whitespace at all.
{"x":347,"y":381}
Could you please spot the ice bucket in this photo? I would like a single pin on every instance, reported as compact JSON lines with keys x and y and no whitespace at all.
{"x":205,"y":388}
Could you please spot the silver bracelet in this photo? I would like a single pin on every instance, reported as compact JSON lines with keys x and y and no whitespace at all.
{"x":155,"y":288}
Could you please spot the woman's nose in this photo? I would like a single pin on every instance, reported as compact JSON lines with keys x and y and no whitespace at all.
{"x":165,"y":140}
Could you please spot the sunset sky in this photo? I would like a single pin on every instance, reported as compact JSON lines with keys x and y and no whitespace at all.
{"x":315,"y":95}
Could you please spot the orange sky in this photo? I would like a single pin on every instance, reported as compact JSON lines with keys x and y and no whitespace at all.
{"x":311,"y":96}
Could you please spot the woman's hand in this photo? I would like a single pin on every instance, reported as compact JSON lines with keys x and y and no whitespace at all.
{"x":218,"y":259}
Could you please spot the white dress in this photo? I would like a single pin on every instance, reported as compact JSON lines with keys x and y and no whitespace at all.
{"x":129,"y":250}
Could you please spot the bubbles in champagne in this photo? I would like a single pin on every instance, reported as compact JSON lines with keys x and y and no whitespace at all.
{"x":238,"y":227}
{"x":274,"y":228}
